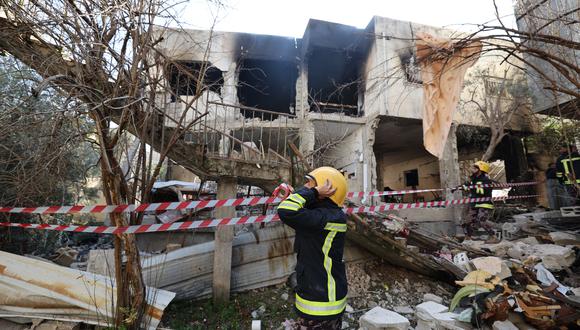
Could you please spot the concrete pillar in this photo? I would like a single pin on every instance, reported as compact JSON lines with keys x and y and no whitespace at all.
{"x":307,"y":137}
{"x":301,"y":101}
{"x":450,"y":175}
{"x":224,"y":235}
{"x":230,"y":89}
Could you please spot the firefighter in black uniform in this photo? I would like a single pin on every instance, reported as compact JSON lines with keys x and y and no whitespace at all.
{"x":480,"y":213}
{"x":315,"y":212}
{"x":567,"y":172}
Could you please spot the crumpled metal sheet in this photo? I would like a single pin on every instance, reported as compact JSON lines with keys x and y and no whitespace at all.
{"x":36,"y":289}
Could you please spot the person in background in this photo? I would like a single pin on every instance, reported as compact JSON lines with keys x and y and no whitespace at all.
{"x":554,"y":187}
{"x":568,"y":172}
{"x":480,"y":213}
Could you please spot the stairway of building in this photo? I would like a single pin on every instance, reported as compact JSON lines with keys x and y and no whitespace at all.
{"x":252,"y":165}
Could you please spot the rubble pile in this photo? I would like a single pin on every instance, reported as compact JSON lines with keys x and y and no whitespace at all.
{"x":528,"y":280}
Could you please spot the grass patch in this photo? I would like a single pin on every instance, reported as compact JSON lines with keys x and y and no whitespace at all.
{"x":237,"y":314}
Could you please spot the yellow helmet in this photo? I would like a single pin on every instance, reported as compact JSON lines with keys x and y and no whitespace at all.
{"x":483,"y":166}
{"x":337,"y":179}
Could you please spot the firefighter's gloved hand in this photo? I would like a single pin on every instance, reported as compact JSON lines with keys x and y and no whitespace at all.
{"x":283,"y":191}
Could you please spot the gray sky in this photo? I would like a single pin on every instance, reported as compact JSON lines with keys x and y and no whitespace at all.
{"x":289,"y":17}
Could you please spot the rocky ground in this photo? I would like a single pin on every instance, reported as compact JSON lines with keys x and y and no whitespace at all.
{"x":371,"y":284}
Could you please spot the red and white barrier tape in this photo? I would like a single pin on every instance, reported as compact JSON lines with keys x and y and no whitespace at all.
{"x":404,"y":192}
{"x":242,"y":220}
{"x":189,"y":205}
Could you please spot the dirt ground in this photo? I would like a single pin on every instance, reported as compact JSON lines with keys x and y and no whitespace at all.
{"x":372,"y":283}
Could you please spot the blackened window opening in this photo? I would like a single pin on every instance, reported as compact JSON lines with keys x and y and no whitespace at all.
{"x":267,"y":85}
{"x":412,"y":178}
{"x":411,"y":67}
{"x":184,"y":78}
{"x":334,"y":80}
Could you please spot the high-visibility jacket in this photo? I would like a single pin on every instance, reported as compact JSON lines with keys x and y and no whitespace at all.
{"x":564,"y":165}
{"x":476,"y":192}
{"x":320,"y":234}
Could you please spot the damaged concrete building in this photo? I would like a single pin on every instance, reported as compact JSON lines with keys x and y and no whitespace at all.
{"x":347,"y":97}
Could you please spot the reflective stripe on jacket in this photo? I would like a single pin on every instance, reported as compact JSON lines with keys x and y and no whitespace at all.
{"x":478,"y":192}
{"x":568,"y":167}
{"x":320,"y":234}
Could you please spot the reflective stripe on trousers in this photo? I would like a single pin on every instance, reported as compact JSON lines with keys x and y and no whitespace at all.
{"x":319,"y":308}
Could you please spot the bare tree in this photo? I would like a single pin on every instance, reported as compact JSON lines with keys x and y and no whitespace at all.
{"x":497,"y":100}
{"x":104,"y":57}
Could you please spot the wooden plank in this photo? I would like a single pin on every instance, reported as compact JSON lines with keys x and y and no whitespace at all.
{"x":224,"y":235}
{"x":374,"y":239}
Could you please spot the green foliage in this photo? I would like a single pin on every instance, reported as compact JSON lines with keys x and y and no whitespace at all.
{"x":553,"y":134}
{"x":46,"y":151}
{"x":45,"y":155}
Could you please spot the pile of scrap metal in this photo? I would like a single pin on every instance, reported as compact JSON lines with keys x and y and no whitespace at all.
{"x":486,"y":298}
{"x":32,"y":289}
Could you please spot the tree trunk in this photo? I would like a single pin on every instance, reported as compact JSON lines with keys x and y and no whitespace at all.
{"x":130,"y":288}
{"x":494,"y":141}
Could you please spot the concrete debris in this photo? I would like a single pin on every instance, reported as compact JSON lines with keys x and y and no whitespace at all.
{"x":461,"y":260}
{"x":432,"y":316}
{"x":345,"y":325}
{"x":432,"y":297}
{"x":504,"y":325}
{"x":553,"y":256}
{"x":284,"y":296}
{"x":372,"y":304}
{"x":562,"y":238}
{"x":65,"y":256}
{"x":359,"y":280}
{"x":493,"y":265}
{"x":379,"y":318}
{"x":427,"y":310}
{"x":530,"y":240}
{"x":404,"y":310}
{"x":259,"y":312}
{"x":349,"y":308}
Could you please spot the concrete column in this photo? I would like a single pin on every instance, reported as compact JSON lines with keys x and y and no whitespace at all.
{"x":450,"y":175}
{"x":224,"y":235}
{"x":230,"y":90}
{"x":307,"y":137}
{"x":302,"y":90}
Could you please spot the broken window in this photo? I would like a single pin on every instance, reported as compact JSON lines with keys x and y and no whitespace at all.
{"x":411,"y":67}
{"x":192,"y":77}
{"x":412,"y":178}
{"x":268,"y":85}
{"x":334,"y":80}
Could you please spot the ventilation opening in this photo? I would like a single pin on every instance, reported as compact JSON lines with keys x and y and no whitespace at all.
{"x":267,"y":85}
{"x":191,"y":78}
{"x":333,"y":80}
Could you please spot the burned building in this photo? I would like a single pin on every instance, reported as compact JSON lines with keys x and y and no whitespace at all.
{"x":346,"y":97}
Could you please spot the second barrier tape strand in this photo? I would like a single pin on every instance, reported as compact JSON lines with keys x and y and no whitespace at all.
{"x":137,"y":229}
